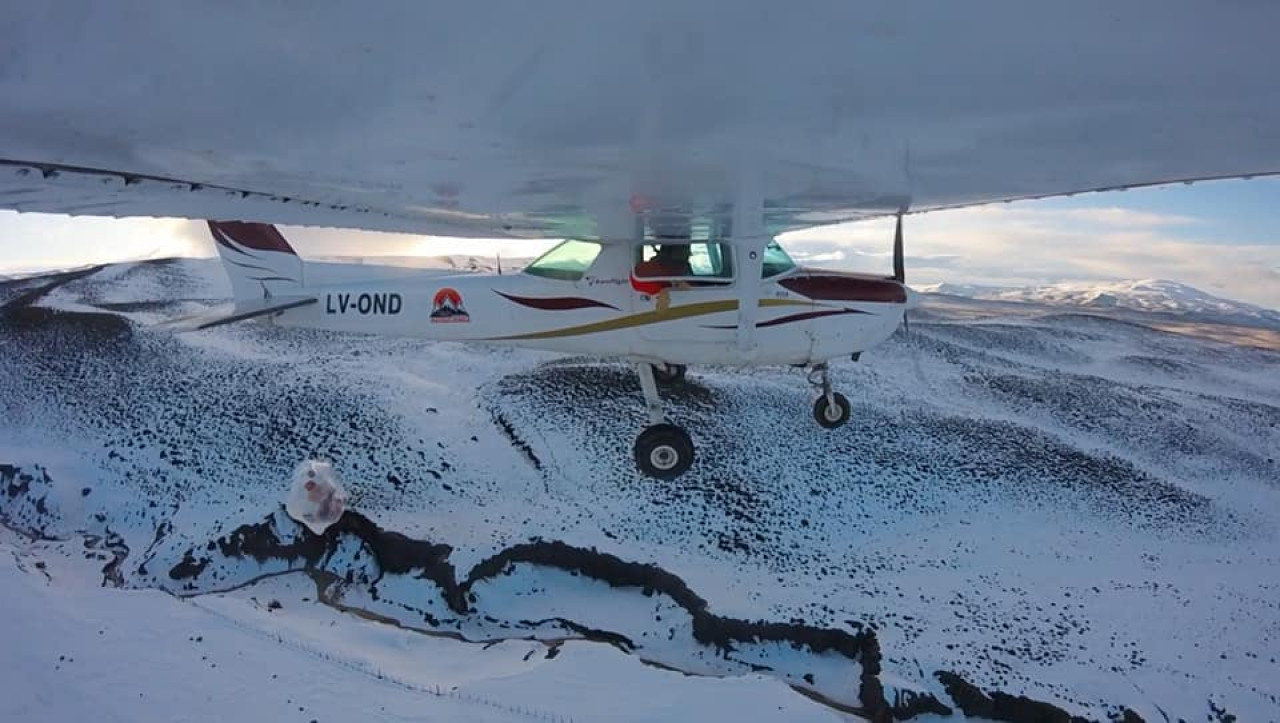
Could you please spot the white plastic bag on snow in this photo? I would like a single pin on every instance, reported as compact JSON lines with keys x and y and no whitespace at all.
{"x":316,"y":497}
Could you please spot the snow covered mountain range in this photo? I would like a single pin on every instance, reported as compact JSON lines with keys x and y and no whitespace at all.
{"x":1146,"y":295}
{"x":1047,"y":516}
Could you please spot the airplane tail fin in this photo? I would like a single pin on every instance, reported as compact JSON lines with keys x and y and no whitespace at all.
{"x":260,"y":263}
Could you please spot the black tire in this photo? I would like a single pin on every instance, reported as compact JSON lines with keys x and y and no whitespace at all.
{"x":664,"y":451}
{"x":832,"y":417}
{"x":669,"y":374}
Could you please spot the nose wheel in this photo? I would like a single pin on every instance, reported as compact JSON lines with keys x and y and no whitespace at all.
{"x":832,"y":413}
{"x":663,"y":450}
{"x":831,"y":409}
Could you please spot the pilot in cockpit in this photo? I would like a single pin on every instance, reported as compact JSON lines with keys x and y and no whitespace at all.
{"x":671,"y":259}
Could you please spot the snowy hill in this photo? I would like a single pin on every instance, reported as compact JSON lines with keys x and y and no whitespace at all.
{"x":1028,"y":517}
{"x":1147,"y":295}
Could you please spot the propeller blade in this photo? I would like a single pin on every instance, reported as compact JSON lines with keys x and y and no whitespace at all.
{"x":906,"y":324}
{"x":899,"y":270}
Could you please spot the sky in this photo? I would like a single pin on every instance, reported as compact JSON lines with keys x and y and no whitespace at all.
{"x":1222,"y":237}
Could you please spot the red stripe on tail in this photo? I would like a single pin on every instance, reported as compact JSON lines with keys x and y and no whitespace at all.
{"x":257,"y":236}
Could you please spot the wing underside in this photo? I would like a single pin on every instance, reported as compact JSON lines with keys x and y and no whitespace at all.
{"x":552,"y":119}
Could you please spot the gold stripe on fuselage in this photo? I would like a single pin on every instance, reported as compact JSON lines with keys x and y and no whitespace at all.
{"x":645,"y":318}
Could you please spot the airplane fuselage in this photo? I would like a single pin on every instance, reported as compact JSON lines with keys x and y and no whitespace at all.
{"x":805,"y":316}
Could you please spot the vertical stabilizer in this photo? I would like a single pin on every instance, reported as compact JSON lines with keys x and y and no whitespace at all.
{"x":260,"y":263}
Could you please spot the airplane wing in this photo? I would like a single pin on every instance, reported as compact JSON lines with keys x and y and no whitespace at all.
{"x":557,"y":118}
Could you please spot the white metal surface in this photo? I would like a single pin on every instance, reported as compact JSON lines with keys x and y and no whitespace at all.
{"x":547,"y":119}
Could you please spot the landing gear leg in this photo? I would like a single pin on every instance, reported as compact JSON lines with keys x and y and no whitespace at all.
{"x":831,"y":408}
{"x":662,"y":450}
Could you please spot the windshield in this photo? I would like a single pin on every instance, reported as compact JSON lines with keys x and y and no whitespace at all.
{"x":776,"y":261}
{"x":567,"y":261}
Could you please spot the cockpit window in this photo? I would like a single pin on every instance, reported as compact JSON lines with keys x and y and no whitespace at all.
{"x":566,"y":261}
{"x":703,"y":261}
{"x":776,"y":261}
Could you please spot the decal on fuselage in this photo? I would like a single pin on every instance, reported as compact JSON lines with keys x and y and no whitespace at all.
{"x":384,"y":303}
{"x":447,"y":308}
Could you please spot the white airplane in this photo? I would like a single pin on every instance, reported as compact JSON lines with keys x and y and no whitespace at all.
{"x":566,"y":119}
{"x":660,"y":302}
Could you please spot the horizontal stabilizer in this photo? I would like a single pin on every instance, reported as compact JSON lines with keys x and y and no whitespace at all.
{"x":243,"y":311}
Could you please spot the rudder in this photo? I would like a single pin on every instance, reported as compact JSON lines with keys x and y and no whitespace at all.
{"x":258,"y":259}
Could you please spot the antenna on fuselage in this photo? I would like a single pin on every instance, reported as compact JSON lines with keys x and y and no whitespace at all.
{"x":499,"y":263}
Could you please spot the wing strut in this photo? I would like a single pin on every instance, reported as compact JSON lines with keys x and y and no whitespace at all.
{"x":749,"y":239}
{"x":243,"y":311}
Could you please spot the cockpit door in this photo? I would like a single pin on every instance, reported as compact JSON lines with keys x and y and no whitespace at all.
{"x":689,"y":287}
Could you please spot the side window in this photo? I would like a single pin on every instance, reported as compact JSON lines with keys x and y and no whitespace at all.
{"x":776,"y":261}
{"x":701,"y":262}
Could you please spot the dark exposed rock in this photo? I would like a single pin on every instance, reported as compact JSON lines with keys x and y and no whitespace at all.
{"x":53,"y":281}
{"x":101,"y":328}
{"x":521,"y":445}
{"x":115,"y":545}
{"x":398,"y":554}
{"x":394,"y":552}
{"x":14,"y":483}
{"x":870,"y":689}
{"x":189,"y":567}
{"x":908,"y":704}
{"x":975,"y":703}
{"x":25,"y":506}
{"x":20,"y":314}
{"x":617,"y":640}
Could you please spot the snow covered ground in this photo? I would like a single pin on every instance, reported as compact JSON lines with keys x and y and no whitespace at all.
{"x":1074,"y":508}
{"x":269,"y":651}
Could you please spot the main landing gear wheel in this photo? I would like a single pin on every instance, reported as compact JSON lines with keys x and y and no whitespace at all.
{"x":664,"y":451}
{"x":832,"y":413}
{"x":668,"y":374}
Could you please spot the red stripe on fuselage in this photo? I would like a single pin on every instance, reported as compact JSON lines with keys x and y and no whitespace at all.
{"x":846,"y":287}
{"x":556,"y":303}
{"x":806,"y":316}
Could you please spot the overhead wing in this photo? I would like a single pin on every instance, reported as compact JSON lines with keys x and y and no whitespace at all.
{"x":550,"y":119}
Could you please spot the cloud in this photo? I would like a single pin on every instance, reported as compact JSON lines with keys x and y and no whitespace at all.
{"x":835,"y":254}
{"x":1100,"y":216}
{"x":37,"y":241}
{"x":1011,"y":245}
